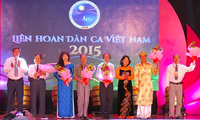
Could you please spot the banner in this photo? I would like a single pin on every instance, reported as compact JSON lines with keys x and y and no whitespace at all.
{"x":48,"y":27}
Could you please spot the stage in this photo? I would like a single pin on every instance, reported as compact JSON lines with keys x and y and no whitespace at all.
{"x":96,"y":117}
{"x":120,"y":27}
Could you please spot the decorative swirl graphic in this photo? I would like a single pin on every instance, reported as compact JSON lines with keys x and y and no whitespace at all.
{"x":126,"y":101}
{"x":84,"y":14}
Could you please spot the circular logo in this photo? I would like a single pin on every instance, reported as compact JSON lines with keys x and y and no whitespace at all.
{"x":84,"y":14}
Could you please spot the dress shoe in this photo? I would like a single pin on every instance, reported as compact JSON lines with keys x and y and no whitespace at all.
{"x":85,"y":118}
{"x":44,"y":117}
{"x":179,"y":117}
{"x":122,"y":117}
{"x":108,"y":116}
{"x":130,"y":117}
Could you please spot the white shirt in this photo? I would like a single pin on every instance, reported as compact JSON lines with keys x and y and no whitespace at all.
{"x":32,"y":70}
{"x":10,"y":70}
{"x":182,"y":69}
{"x":111,"y":74}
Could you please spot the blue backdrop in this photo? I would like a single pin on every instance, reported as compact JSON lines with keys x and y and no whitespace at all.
{"x":93,"y":27}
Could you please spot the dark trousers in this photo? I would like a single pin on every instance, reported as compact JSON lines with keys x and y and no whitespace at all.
{"x":38,"y":89}
{"x":18,"y":87}
{"x":106,"y":99}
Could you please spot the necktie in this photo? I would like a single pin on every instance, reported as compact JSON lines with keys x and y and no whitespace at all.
{"x":176,"y":70}
{"x":16,"y":68}
{"x":37,"y":68}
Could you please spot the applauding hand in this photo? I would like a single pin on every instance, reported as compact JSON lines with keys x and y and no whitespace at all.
{"x":18,"y":63}
{"x":12,"y":65}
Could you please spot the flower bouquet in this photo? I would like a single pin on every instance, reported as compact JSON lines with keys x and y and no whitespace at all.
{"x":48,"y":68}
{"x":64,"y":73}
{"x":156,"y":54}
{"x":105,"y":71}
{"x":38,"y":73}
{"x":88,"y":72}
{"x":194,"y":51}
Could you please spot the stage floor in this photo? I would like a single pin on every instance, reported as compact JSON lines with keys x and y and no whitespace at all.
{"x":96,"y":117}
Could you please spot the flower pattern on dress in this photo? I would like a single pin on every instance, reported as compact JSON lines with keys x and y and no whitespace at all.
{"x":144,"y":83}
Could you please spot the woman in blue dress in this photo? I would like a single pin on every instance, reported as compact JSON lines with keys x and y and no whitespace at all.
{"x":65,"y":106}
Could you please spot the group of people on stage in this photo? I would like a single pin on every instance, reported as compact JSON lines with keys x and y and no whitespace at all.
{"x":16,"y":67}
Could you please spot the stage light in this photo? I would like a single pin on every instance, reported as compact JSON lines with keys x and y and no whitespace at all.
{"x":2,"y":83}
{"x":192,"y":103}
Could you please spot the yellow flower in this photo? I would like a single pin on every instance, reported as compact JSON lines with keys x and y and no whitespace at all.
{"x":90,"y":67}
{"x":195,"y":48}
{"x":106,"y":72}
{"x":154,"y":50}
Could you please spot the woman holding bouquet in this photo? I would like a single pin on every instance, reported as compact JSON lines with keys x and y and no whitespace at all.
{"x":106,"y":74}
{"x":65,"y":88}
{"x":125,"y":102}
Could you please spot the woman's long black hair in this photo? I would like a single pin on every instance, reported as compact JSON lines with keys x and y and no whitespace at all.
{"x":60,"y":60}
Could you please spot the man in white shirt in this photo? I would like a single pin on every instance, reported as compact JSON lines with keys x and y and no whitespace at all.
{"x":174,"y":77}
{"x":38,"y":85}
{"x":15,"y":67}
{"x":106,"y":88}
